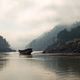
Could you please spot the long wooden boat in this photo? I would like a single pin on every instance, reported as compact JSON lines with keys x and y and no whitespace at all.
{"x":26,"y":51}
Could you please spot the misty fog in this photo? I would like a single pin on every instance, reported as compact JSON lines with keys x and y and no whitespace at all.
{"x":21,"y":21}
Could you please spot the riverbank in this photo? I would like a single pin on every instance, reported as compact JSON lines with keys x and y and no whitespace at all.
{"x":65,"y":47}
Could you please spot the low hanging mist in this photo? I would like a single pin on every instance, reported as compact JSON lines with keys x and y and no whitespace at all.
{"x":59,"y":33}
{"x":22,"y":21}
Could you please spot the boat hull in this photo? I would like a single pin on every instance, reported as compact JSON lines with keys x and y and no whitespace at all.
{"x":25,"y":52}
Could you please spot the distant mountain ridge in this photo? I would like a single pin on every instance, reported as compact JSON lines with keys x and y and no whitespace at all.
{"x":4,"y":45}
{"x":67,"y":41}
{"x":50,"y":38}
{"x":42,"y":42}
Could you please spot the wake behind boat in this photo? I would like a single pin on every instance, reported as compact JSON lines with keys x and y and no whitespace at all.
{"x":26,"y":51}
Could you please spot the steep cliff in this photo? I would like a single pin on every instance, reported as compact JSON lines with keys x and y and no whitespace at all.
{"x":4,"y":45}
{"x":67,"y":41}
{"x":42,"y":42}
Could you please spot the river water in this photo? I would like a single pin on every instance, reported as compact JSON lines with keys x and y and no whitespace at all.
{"x":38,"y":67}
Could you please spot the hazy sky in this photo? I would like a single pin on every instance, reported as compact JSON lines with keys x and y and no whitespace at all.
{"x":23,"y":20}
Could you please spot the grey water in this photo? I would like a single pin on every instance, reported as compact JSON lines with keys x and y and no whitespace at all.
{"x":39,"y":67}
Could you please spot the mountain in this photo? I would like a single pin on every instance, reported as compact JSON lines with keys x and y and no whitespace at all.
{"x":66,"y":35}
{"x":67,"y":40}
{"x":42,"y":42}
{"x":66,"y":47}
{"x":4,"y":45}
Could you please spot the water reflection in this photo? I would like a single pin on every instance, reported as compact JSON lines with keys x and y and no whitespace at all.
{"x":3,"y":60}
{"x":25,"y":56}
{"x":64,"y":67}
{"x":68,"y":64}
{"x":60,"y":64}
{"x":39,"y":67}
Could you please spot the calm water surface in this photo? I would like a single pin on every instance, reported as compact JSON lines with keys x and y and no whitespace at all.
{"x":39,"y":67}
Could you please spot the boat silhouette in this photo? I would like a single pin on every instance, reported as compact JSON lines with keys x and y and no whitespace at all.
{"x":26,"y":51}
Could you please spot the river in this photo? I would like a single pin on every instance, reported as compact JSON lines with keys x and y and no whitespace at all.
{"x":38,"y":67}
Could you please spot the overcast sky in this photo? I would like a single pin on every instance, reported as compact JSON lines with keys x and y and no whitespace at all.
{"x":23,"y":20}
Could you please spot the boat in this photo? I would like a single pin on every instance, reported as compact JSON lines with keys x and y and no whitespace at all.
{"x":26,"y":51}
